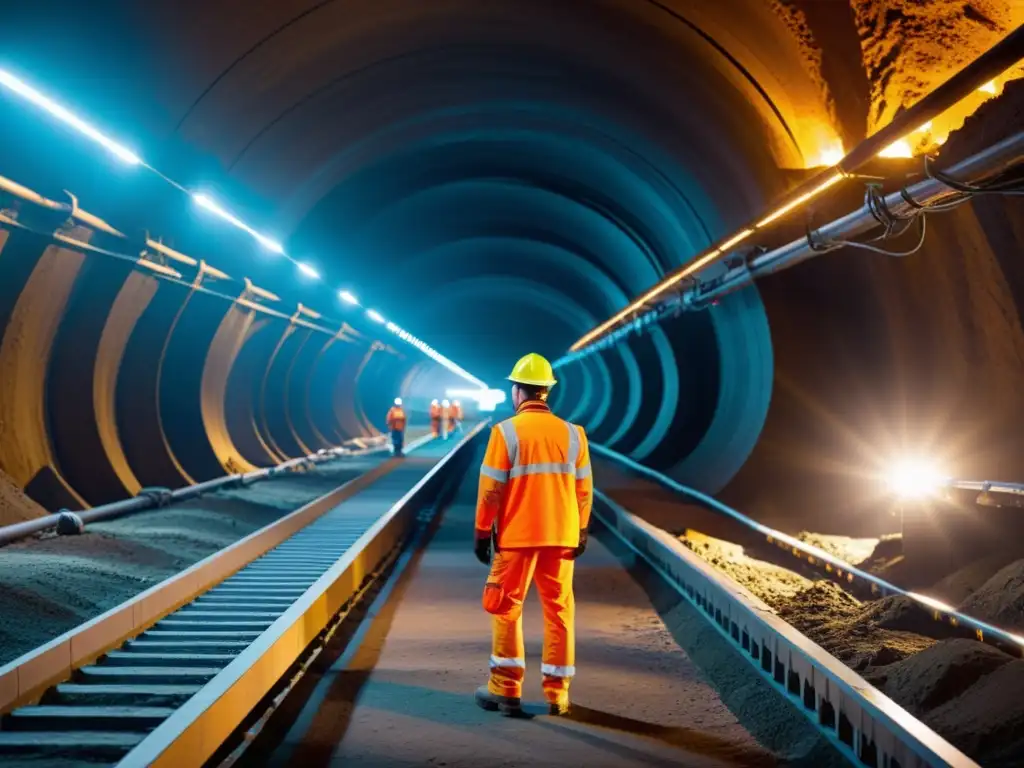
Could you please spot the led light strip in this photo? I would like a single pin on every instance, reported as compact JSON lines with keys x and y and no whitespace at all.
{"x":205,"y":201}
{"x":705,"y":259}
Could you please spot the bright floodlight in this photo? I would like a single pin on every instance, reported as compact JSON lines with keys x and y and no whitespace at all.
{"x":348,"y":298}
{"x":374,"y":315}
{"x":308,"y":270}
{"x":28,"y":92}
{"x":914,"y":478}
{"x":205,"y":201}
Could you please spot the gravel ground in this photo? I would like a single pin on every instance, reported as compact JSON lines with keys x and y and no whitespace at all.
{"x":51,"y":584}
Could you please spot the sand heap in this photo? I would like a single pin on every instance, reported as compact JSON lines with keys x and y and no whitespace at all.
{"x":15,"y":506}
{"x":966,"y":691}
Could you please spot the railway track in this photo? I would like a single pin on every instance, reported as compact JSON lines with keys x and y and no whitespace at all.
{"x":208,"y":644}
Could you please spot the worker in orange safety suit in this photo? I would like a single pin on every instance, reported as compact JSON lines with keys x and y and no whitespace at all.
{"x":534,"y":500}
{"x":446,"y":419}
{"x":456,"y":421}
{"x":435,"y":418}
{"x":396,"y":424}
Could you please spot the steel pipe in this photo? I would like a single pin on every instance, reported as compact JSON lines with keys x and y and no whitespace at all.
{"x":990,"y":162}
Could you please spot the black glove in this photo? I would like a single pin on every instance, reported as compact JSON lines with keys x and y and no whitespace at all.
{"x":582,"y":546}
{"x":482,"y":549}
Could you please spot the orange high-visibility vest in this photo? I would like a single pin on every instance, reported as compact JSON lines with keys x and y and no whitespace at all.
{"x":435,"y":411}
{"x":535,"y":482}
{"x":396,"y":419}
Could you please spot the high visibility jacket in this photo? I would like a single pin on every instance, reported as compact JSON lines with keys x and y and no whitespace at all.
{"x":446,"y":413}
{"x":396,"y":419}
{"x":535,"y":482}
{"x":435,"y":411}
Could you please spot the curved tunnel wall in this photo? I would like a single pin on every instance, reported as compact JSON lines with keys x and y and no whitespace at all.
{"x":114,"y":380}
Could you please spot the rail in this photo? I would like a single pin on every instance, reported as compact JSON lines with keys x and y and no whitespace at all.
{"x":195,"y":732}
{"x":987,"y":486}
{"x":151,"y":498}
{"x":866,"y":726}
{"x":832,"y":565}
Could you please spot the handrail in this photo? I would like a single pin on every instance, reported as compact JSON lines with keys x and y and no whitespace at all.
{"x":983,"y":631}
{"x":150,"y":498}
{"x":987,"y":486}
{"x":866,"y":726}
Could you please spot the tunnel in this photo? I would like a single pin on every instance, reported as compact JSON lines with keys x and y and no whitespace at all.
{"x":504,"y":176}
{"x":311,"y":208}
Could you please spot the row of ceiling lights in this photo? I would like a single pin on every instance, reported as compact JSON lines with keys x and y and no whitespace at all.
{"x":206,"y":202}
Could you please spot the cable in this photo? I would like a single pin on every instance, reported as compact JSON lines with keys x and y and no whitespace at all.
{"x":923,"y":223}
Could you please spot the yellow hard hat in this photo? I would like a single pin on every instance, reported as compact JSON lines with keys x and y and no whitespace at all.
{"x":534,"y":370}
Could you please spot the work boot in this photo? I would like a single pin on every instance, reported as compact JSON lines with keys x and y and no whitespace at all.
{"x":559,"y":708}
{"x":510,"y":706}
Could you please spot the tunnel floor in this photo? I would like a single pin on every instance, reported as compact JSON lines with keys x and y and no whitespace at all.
{"x":403,"y":695}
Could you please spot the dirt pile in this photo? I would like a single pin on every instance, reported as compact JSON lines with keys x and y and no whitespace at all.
{"x":1000,"y":600}
{"x":938,"y":674}
{"x":987,"y":720}
{"x":770,"y":582}
{"x":51,"y":584}
{"x":15,"y":506}
{"x":851,"y":550}
{"x":862,"y":635}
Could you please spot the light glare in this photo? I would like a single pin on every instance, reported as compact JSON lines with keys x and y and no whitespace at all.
{"x":61,"y":113}
{"x":374,"y":315}
{"x":205,"y":201}
{"x":348,"y":298}
{"x":308,"y":270}
{"x":900,"y":148}
{"x":914,"y":478}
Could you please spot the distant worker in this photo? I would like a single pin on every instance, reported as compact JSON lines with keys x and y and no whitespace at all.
{"x":456,"y":416}
{"x":435,"y":418}
{"x":534,"y":500}
{"x":446,"y":419}
{"x":396,"y":424}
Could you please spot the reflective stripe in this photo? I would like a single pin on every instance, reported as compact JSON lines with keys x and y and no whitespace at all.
{"x":551,"y":670}
{"x":544,"y":468}
{"x":574,"y":445}
{"x":583,"y":472}
{"x":495,"y":474}
{"x":502,"y":661}
{"x":508,"y":431}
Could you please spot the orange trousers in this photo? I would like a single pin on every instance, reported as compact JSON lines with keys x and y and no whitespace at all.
{"x":512,"y":571}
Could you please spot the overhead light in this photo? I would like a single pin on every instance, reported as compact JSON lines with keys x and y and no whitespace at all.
{"x":914,"y":478}
{"x":989,"y":87}
{"x":831,"y":154}
{"x":374,"y":315}
{"x":205,"y":201}
{"x":308,"y":270}
{"x":61,"y":113}
{"x":348,"y":298}
{"x":798,"y":201}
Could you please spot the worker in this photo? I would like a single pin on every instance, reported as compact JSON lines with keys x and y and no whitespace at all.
{"x":534,"y":502}
{"x":456,"y":422}
{"x":396,"y":424}
{"x":435,"y":418}
{"x":446,"y":419}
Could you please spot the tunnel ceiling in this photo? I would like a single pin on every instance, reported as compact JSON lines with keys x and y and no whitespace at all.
{"x":500,"y":176}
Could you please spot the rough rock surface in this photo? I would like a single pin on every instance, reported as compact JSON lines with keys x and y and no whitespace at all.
{"x":909,"y":47}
